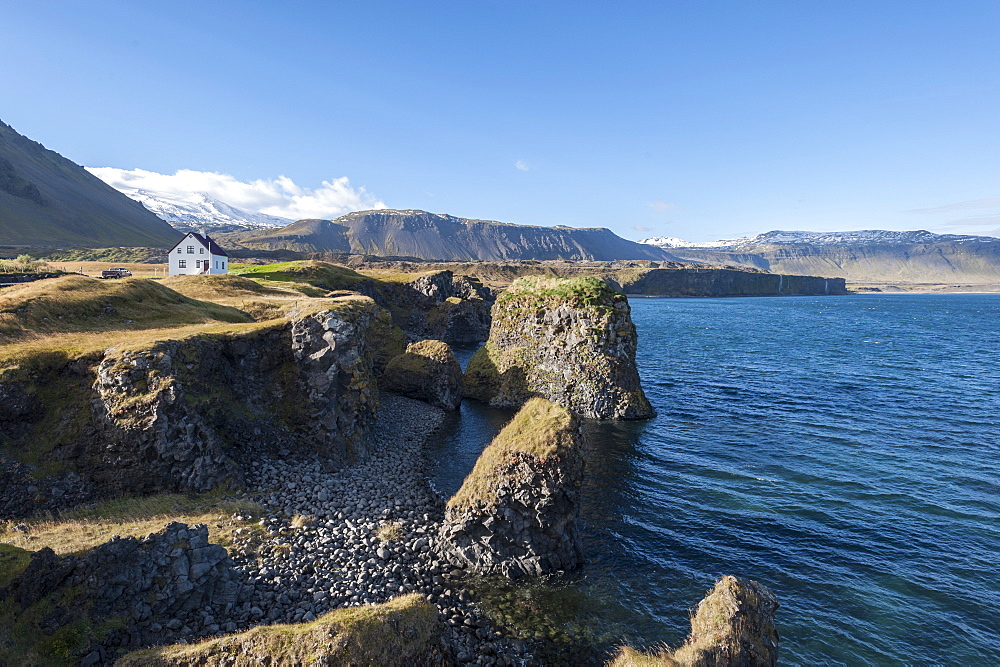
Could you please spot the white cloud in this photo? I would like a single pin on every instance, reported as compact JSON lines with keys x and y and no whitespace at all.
{"x":641,"y":228}
{"x":279,"y":196}
{"x":661,"y":206}
{"x":521,"y":165}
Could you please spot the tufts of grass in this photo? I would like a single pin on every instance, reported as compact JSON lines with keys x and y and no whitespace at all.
{"x":403,"y":631}
{"x":630,"y":657}
{"x":78,"y":530}
{"x":303,"y":521}
{"x":541,"y":429}
{"x":390,"y":532}
{"x":579,"y":292}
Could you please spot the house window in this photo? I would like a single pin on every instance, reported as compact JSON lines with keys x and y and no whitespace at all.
{"x":216,"y":263}
{"x":179,"y":250}
{"x":190,"y":249}
{"x":201,"y":251}
{"x":223,"y":263}
{"x":182,"y":264}
{"x":197,"y":263}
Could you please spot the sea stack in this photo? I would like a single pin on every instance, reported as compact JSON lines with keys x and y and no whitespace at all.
{"x":732,"y":625}
{"x":515,"y":514}
{"x":570,"y":340}
{"x":427,"y":371}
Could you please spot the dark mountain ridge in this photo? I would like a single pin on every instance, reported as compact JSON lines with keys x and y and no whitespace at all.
{"x":48,"y":200}
{"x":440,"y":237}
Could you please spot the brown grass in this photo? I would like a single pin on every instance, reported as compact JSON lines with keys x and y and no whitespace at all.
{"x":83,"y":529}
{"x":541,"y":429}
{"x":402,"y":631}
{"x":389,"y":532}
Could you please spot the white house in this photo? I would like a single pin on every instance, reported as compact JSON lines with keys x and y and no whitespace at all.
{"x":197,"y":254}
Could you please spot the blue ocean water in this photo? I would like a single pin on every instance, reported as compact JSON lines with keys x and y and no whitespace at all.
{"x":843,"y":451}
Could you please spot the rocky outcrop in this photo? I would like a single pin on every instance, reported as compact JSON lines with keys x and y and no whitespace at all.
{"x":191,"y":414}
{"x":571,"y":341}
{"x":427,"y":371}
{"x":733,"y":625}
{"x":403,"y":631}
{"x":455,"y":309}
{"x":515,"y":514}
{"x":128,"y":592}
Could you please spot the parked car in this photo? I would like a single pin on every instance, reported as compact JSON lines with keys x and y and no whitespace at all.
{"x":116,"y":273}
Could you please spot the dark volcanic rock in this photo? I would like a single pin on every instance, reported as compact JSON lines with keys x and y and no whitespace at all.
{"x":143,"y":591}
{"x":427,"y":371}
{"x":515,"y":514}
{"x":569,"y":340}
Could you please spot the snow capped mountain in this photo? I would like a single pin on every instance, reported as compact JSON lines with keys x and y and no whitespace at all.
{"x":674,"y":242}
{"x":865,"y":237}
{"x":198,"y":210}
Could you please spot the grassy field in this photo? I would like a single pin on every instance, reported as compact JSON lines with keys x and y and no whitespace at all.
{"x":94,"y":268}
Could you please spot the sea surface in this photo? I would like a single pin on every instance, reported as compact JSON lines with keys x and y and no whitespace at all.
{"x":844,"y":451}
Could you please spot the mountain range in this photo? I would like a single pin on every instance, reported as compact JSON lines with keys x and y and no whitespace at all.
{"x":877,"y":256}
{"x":46,"y":199}
{"x":433,"y":236}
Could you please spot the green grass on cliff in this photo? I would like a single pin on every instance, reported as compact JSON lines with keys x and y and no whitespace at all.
{"x":541,"y":429}
{"x":302,"y":275}
{"x":579,"y":292}
{"x":403,"y":631}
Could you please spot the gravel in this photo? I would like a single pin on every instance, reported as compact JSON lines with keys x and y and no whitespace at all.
{"x":335,"y":557}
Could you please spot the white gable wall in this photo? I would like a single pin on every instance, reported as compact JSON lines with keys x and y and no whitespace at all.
{"x":192,"y":257}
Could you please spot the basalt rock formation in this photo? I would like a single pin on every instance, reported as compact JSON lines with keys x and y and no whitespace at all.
{"x":571,"y":341}
{"x":515,"y":514}
{"x":188,"y":414}
{"x":127,"y":592}
{"x":732,"y":625}
{"x":427,"y":371}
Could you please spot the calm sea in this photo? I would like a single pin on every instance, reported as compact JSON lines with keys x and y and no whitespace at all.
{"x":843,"y":451}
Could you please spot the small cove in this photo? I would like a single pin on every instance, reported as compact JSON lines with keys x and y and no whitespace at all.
{"x":842,"y":451}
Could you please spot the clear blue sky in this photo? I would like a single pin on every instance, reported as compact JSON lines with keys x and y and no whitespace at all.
{"x":695,"y":119}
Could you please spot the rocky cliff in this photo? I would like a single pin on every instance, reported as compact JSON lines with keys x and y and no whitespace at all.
{"x":569,"y":340}
{"x":124,"y":593}
{"x":189,"y":414}
{"x":723,"y":282}
{"x":427,"y":371}
{"x":515,"y":514}
{"x":732,"y":625}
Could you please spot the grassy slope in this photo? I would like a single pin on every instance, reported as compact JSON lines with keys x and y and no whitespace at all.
{"x":78,"y":530}
{"x":402,"y":631}
{"x":541,"y":429}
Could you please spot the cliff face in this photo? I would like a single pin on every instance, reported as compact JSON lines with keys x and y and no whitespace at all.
{"x":129,"y":592}
{"x":187,"y":415}
{"x":724,"y":282}
{"x":569,"y":340}
{"x":515,"y":514}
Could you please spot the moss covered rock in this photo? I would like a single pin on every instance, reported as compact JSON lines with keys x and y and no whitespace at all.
{"x":570,"y":340}
{"x":732,"y":625}
{"x":427,"y":371}
{"x":403,"y":631}
{"x":515,"y":514}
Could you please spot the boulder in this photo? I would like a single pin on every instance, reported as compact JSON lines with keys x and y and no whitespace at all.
{"x":427,"y":371}
{"x":515,"y":514}
{"x":570,"y":340}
